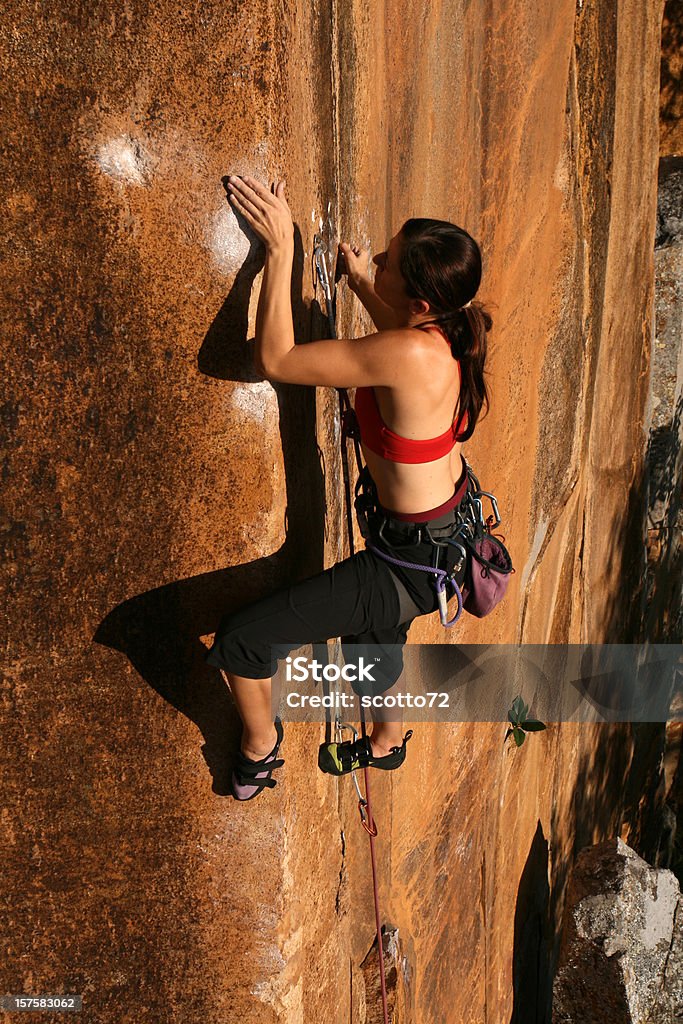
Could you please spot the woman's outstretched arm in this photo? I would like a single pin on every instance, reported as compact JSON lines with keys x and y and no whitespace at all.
{"x":269,"y":215}
{"x":335,"y":363}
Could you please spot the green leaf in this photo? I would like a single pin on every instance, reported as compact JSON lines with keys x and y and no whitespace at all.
{"x":533,"y":725}
{"x":519,"y":736}
{"x":517,"y":706}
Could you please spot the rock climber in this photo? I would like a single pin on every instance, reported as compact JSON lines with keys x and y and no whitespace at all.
{"x":420,"y":390}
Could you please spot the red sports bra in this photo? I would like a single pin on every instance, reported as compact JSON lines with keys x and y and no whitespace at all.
{"x":376,"y":436}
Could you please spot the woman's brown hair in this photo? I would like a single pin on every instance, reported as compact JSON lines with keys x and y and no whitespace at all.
{"x":441,"y":263}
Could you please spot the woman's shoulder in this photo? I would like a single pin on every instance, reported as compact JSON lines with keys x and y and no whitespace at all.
{"x":424,"y":363}
{"x":405,"y":343}
{"x":414,"y":358}
{"x":419,"y":338}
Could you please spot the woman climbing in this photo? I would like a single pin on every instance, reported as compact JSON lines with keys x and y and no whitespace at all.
{"x":420,"y":390}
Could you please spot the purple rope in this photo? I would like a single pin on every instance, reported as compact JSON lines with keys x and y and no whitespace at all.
{"x":440,"y":584}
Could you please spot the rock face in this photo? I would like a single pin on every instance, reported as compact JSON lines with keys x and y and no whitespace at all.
{"x":621,"y":960}
{"x":671,"y":96}
{"x":665,"y":446}
{"x":153,"y":482}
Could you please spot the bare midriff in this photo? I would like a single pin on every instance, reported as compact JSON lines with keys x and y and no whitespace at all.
{"x":419,"y":413}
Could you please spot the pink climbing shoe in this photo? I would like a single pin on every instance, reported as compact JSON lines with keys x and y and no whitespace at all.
{"x":249,"y":777}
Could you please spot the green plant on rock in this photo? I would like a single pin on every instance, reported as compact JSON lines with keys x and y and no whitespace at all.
{"x":521,"y":725}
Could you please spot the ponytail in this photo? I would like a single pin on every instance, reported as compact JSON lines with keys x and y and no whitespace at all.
{"x":467,"y":330}
{"x":441,"y":264}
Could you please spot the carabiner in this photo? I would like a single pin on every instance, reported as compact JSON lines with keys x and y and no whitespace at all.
{"x":362,"y":802}
{"x":494,"y":506}
{"x":319,"y":250}
{"x":370,"y":829}
{"x":478,"y":509}
{"x":463,"y":552}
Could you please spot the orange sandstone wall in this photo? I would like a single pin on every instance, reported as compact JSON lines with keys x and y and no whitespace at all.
{"x":153,"y":481}
{"x":671,"y":71}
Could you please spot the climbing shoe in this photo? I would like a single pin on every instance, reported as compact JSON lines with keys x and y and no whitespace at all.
{"x":249,"y":777}
{"x":342,"y":758}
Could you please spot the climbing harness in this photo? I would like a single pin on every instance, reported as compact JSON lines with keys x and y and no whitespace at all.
{"x":469,"y":534}
{"x":367,"y":506}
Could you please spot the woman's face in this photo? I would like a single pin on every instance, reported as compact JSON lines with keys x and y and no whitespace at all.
{"x":389,"y":282}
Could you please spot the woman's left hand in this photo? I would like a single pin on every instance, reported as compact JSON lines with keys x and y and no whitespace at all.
{"x":267,"y":213}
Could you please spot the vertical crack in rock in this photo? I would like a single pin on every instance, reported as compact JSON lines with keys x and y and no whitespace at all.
{"x":583,"y":542}
{"x":342,"y":871}
{"x":662,"y":612}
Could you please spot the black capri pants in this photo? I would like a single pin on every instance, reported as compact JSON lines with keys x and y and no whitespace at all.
{"x":360,"y":599}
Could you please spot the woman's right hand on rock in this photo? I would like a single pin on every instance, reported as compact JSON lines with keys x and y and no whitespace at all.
{"x":354,"y":264}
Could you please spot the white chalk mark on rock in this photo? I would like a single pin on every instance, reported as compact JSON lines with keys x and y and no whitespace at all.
{"x":125,"y":160}
{"x":227,"y":241}
{"x":254,"y":400}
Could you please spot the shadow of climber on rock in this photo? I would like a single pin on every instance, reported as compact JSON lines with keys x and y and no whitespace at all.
{"x":160,"y":630}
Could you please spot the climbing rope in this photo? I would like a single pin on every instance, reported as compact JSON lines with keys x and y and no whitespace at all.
{"x":364,"y":806}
